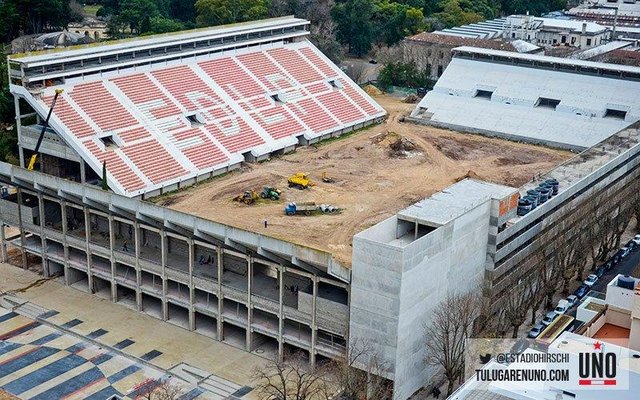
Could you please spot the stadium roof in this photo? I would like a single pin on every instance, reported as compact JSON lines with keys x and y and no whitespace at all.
{"x":562,"y":107}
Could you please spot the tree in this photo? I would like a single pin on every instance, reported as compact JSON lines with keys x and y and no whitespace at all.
{"x":105,"y":184}
{"x":355,"y":27}
{"x":358,"y":374}
{"x":288,"y":380}
{"x":76,"y":11}
{"x":218,"y":12}
{"x":515,"y":305}
{"x":323,"y":28}
{"x":405,"y":75}
{"x":449,"y":328}
{"x":159,"y":390}
{"x":452,"y":14}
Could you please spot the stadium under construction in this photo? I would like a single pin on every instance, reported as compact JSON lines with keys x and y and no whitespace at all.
{"x":164,"y":114}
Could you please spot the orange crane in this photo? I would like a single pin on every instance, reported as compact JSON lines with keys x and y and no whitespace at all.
{"x":34,"y":157}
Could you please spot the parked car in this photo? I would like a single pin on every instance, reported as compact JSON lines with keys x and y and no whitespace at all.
{"x":636,"y":239}
{"x":549,"y":318}
{"x":600,"y":271}
{"x":631,"y":245}
{"x":535,"y":331}
{"x":591,"y":280}
{"x":581,"y":291}
{"x":562,"y":307}
{"x":572,"y":300}
{"x":608,"y":265}
{"x":625,"y":251}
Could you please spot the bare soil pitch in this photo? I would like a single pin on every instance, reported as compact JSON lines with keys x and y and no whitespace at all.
{"x":373,"y":181}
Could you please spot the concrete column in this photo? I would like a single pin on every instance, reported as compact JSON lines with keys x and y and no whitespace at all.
{"x":21,"y":227}
{"x":112,"y":259}
{"x":63,"y":216}
{"x":16,"y":105}
{"x":43,"y":241}
{"x":3,"y":244}
{"x":192,"y":314}
{"x":280,"y":312}
{"x":163,"y":253}
{"x":83,"y":172}
{"x":249,"y":306}
{"x":219,"y":252}
{"x":314,"y":325}
{"x":136,"y":240}
{"x":87,"y":235}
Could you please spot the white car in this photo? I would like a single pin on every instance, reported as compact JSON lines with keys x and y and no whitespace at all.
{"x":562,"y":307}
{"x":549,"y":318}
{"x":591,"y":280}
{"x":625,"y":251}
{"x":572,"y":300}
{"x":535,"y":331}
{"x":636,"y":239}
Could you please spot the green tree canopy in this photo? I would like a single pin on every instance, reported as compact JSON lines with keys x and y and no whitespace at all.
{"x":218,"y":12}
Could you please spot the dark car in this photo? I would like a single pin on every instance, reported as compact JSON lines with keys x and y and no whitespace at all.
{"x":582,"y":291}
{"x":631,"y":245}
{"x":608,"y":265}
{"x":600,"y":271}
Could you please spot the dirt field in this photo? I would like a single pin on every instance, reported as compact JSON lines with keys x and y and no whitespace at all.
{"x":373,"y":182}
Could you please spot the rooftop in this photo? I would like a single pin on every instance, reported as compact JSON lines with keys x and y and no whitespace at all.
{"x":154,"y":40}
{"x":452,"y":202}
{"x":449,"y":40}
{"x":372,"y":183}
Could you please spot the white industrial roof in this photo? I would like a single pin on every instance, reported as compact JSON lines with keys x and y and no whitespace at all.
{"x":453,"y":201}
{"x":578,"y":121}
{"x":548,"y":59}
{"x":599,"y":50}
{"x":556,"y":23}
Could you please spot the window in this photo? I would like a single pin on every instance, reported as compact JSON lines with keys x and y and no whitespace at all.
{"x":573,"y":39}
{"x":615,"y":114}
{"x":555,"y":41}
{"x":513,"y":35}
{"x":485,"y":94}
{"x":547,"y":103}
{"x":588,"y":42}
{"x":563,"y":39}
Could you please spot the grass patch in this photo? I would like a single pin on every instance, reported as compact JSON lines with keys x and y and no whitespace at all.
{"x":91,"y":10}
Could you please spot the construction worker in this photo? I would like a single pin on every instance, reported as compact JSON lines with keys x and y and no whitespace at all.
{"x":125,"y":245}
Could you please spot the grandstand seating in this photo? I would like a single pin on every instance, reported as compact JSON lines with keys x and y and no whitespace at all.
{"x":157,"y":126}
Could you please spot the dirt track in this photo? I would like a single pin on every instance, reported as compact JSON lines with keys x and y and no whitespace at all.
{"x":370,"y":184}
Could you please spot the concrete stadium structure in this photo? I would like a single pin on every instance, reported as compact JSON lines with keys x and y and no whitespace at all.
{"x":569,"y":104}
{"x":258,"y":292}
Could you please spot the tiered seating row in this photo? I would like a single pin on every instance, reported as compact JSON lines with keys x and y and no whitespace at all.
{"x":312,"y":115}
{"x":297,"y":66}
{"x":131,"y":135}
{"x":266,"y":71}
{"x":340,"y":107}
{"x":278,"y":122}
{"x":358,"y":98}
{"x":318,"y":62}
{"x":235,"y":135}
{"x":145,"y":94}
{"x":100,"y":105}
{"x":233,"y":79}
{"x":204,"y":155}
{"x":187,"y":88}
{"x":155,"y":162}
{"x":116,"y":166}
{"x":70,"y":117}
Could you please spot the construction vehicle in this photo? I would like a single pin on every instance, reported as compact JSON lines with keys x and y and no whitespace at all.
{"x":305,"y":208}
{"x":309,"y":207}
{"x":248,"y":197}
{"x":270,"y":193}
{"x":34,"y":157}
{"x":300,"y":180}
{"x":327,"y":179}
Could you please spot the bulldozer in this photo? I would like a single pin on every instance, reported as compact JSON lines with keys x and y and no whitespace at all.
{"x":270,"y":193}
{"x":248,"y":197}
{"x":300,"y":180}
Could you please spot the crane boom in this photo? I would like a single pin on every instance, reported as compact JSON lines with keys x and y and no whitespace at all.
{"x":34,"y":157}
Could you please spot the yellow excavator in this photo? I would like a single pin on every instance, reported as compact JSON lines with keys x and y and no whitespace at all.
{"x":34,"y":157}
